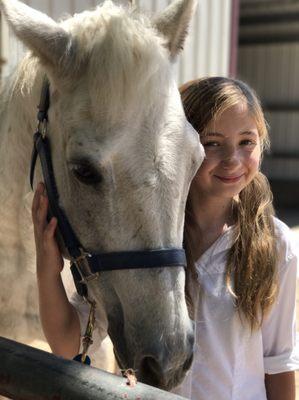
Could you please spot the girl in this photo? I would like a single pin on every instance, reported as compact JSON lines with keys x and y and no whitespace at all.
{"x":240,"y":254}
{"x":242,"y":268}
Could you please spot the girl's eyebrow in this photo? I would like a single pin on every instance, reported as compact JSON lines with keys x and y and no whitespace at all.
{"x":214,"y":134}
{"x":248,"y":132}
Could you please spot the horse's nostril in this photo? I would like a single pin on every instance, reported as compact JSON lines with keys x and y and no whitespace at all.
{"x":190,"y":340}
{"x":187,"y":364}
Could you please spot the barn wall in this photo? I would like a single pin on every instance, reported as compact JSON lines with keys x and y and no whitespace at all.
{"x":206,"y":51}
{"x":269,"y":61}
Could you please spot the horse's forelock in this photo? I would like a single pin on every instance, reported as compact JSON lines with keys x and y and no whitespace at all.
{"x":126,"y":60}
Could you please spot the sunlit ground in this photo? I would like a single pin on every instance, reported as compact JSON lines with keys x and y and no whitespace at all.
{"x":296,"y":231}
{"x":291,"y":218}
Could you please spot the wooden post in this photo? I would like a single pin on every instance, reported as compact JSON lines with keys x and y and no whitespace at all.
{"x":27,"y":373}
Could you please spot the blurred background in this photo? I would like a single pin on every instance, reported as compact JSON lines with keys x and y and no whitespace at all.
{"x":254,"y":40}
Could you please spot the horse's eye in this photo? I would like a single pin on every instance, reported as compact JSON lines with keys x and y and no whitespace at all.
{"x":86,"y":174}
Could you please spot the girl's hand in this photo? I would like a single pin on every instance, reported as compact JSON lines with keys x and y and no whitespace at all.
{"x":48,"y":257}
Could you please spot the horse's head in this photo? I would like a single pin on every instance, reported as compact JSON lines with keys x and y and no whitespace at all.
{"x":124,"y":156}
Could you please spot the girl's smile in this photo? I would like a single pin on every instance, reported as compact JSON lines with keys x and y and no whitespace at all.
{"x":229,"y":179}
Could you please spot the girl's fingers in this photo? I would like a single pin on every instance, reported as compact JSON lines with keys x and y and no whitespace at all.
{"x":42,"y":212}
{"x":36,"y":198}
{"x":49,"y":232}
{"x":50,"y":247}
{"x":44,"y":232}
{"x":39,"y":210}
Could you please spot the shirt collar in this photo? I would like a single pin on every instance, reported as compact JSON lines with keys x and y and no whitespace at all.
{"x":222,"y":244}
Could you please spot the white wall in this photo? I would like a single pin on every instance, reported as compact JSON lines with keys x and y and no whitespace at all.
{"x":208,"y":45}
{"x":206,"y":51}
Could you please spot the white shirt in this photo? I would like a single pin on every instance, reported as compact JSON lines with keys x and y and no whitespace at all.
{"x":230,"y":361}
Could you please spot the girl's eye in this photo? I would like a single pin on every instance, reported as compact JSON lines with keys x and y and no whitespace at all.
{"x":211,"y":144}
{"x":247,"y":142}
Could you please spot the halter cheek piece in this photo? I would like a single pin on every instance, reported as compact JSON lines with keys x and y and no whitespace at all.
{"x":86,"y":266}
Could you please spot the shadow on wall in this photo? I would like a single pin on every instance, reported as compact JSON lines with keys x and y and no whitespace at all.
{"x":290,"y":216}
{"x":285,"y":193}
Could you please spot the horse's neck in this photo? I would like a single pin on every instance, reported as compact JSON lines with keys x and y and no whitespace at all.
{"x":17,"y":286}
{"x":17,"y":111}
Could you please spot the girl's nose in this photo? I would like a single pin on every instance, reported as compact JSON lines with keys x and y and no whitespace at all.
{"x":230,"y":157}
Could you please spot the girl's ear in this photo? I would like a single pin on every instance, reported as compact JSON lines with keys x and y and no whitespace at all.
{"x":41,"y":34}
{"x":173,"y":24}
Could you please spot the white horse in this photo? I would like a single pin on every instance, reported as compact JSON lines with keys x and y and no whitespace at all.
{"x":115,"y":114}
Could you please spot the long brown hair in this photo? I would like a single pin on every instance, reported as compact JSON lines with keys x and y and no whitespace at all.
{"x":251,"y":262}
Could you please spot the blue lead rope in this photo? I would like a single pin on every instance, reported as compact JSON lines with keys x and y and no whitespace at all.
{"x":87,"y":338}
{"x":79,"y":358}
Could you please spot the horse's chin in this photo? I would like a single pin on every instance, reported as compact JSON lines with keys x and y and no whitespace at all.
{"x":119,"y":348}
{"x":122,"y":365}
{"x":166,"y":385}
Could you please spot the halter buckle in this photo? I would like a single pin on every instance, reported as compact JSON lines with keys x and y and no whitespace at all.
{"x":83,"y":267}
{"x":42,"y":128}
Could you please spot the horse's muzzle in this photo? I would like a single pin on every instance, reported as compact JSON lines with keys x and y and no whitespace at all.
{"x":166,"y":372}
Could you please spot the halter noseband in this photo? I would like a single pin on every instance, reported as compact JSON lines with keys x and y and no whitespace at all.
{"x":86,"y":266}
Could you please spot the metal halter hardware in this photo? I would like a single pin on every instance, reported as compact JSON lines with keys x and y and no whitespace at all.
{"x":84,"y":265}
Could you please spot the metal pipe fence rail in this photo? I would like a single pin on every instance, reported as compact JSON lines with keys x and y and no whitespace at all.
{"x":27,"y":373}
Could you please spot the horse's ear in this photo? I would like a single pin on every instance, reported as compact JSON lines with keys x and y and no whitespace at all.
{"x":173,"y":24}
{"x":49,"y":41}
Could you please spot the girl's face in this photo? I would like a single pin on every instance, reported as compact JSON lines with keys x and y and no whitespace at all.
{"x":233,"y":153}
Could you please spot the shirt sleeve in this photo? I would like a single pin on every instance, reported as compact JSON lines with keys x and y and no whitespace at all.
{"x":279,"y":327}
